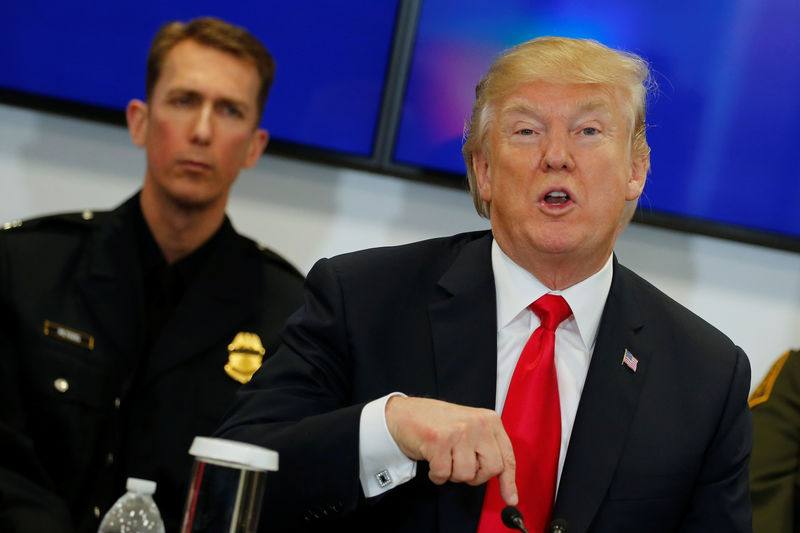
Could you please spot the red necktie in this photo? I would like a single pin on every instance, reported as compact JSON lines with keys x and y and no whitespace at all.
{"x":532,"y":419}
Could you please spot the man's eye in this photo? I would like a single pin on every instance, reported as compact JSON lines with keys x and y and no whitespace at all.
{"x":590,"y":131}
{"x":525,"y":131}
{"x":182,"y":100}
{"x":232,"y":111}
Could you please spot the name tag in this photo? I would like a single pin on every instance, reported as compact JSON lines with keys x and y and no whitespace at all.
{"x":68,"y":335}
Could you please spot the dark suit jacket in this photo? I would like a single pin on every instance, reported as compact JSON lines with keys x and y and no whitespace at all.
{"x":664,"y":448}
{"x":79,"y":421}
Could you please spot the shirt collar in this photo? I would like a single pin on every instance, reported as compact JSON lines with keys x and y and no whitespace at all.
{"x":152,"y":259}
{"x":517,"y":288}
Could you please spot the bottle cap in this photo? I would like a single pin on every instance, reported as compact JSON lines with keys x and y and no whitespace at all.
{"x":144,"y":486}
{"x":234,"y":454}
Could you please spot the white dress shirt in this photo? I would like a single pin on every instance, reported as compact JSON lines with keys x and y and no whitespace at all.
{"x":383,"y":466}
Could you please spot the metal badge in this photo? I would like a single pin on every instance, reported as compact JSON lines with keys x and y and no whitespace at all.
{"x":69,"y":335}
{"x":245,"y":354}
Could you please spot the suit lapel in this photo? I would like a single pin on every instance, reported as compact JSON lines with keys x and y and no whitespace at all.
{"x":606,"y":408}
{"x":217,"y":301}
{"x":463,"y":325}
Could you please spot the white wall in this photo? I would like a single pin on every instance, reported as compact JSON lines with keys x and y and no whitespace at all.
{"x":306,"y":211}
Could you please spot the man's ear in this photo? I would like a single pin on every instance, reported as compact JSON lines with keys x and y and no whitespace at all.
{"x":480,"y":166}
{"x":638,"y":177}
{"x":136,"y":115}
{"x":258,"y":142}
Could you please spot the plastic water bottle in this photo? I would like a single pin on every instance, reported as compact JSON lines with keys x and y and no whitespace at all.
{"x":135,"y":511}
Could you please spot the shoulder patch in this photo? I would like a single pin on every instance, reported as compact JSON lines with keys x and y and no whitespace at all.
{"x":764,"y":389}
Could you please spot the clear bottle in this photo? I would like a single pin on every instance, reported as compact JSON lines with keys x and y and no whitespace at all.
{"x":135,"y":511}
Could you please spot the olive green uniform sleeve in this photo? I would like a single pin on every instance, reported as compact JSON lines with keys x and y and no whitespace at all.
{"x":774,"y":472}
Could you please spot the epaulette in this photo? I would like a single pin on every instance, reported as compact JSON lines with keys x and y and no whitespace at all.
{"x":82,"y":218}
{"x":764,"y":389}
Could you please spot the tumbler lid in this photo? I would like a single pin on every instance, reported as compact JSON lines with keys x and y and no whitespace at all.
{"x":143,"y":486}
{"x":234,"y":454}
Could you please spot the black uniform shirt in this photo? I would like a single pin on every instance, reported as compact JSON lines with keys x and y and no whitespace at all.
{"x":165,"y":284}
{"x":141,"y":371}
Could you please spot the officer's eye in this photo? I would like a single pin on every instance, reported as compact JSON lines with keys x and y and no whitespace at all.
{"x":183,"y":100}
{"x":230,"y":110}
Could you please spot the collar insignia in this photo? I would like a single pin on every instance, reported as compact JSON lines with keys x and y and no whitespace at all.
{"x":764,"y":389}
{"x":245,"y":354}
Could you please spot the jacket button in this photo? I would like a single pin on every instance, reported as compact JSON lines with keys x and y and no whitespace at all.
{"x":96,"y":512}
{"x":110,"y":458}
{"x":117,"y":402}
{"x":61,"y":385}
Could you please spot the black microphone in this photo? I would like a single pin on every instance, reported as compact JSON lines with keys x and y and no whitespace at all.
{"x":513,"y":518}
{"x":559,"y":525}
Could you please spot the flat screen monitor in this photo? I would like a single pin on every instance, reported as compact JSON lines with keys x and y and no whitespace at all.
{"x":722,"y":122}
{"x":332,"y":58}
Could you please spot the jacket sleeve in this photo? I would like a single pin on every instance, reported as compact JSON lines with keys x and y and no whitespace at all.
{"x":774,"y":465}
{"x":27,"y":502}
{"x":299,"y":404}
{"x":721,"y":498}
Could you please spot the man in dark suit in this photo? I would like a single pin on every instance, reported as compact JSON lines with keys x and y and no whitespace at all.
{"x":389,"y":397}
{"x":124,"y":334}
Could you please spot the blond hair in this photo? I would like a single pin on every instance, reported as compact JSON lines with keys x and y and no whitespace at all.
{"x":557,"y":60}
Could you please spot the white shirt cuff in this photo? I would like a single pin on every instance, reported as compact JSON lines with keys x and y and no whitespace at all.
{"x":382,"y":466}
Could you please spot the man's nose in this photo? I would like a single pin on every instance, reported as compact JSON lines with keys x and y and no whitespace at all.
{"x":203,"y":126}
{"x":556,"y":153}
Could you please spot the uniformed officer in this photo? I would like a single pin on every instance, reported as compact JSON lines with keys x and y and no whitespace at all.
{"x":124,"y":334}
{"x":775,"y":462}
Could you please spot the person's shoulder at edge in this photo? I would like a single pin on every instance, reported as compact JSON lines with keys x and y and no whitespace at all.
{"x":786,"y":364}
{"x":448,"y":246}
{"x":271,"y":258}
{"x":85,"y":219}
{"x":671,"y":314}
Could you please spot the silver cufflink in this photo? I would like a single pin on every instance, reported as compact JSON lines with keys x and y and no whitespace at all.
{"x":384,"y":478}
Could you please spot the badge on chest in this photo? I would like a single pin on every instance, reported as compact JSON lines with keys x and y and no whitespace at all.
{"x":245,"y":354}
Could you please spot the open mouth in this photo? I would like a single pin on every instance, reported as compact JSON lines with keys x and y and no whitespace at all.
{"x":556,"y":198}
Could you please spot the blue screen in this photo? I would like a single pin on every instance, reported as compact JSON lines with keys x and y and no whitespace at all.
{"x":721,"y":123}
{"x":331,"y":56}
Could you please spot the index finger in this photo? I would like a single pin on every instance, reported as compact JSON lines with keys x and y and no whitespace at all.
{"x":507,"y":478}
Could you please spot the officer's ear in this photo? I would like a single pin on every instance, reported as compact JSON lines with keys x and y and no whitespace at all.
{"x":136,"y":115}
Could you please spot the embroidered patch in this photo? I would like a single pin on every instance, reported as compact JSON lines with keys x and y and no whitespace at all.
{"x":764,"y":389}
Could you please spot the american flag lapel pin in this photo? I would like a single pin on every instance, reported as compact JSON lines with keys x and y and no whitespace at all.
{"x":629,"y":360}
